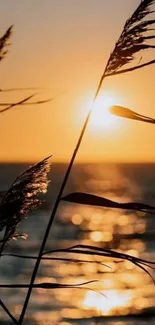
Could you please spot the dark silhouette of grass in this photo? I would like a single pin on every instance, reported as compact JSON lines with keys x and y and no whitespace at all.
{"x":21,"y":198}
{"x":4,"y":42}
{"x":89,"y":199}
{"x":131,"y":41}
{"x":19,"y":89}
{"x":136,"y":34}
{"x":22,"y":102}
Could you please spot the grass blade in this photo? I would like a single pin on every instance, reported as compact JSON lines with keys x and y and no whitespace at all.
{"x":17,"y":103}
{"x":140,"y":13}
{"x":94,"y":200}
{"x":128,"y":113}
{"x":25,"y":103}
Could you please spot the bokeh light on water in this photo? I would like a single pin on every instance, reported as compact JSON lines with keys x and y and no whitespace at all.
{"x":122,"y":289}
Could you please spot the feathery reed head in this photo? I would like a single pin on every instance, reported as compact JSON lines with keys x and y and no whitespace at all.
{"x":4,"y":42}
{"x":22,"y":197}
{"x":133,"y":38}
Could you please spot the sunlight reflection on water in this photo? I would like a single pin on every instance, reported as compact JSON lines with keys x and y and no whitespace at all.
{"x":127,"y":289}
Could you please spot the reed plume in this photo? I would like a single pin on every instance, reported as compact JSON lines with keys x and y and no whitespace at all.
{"x":12,"y":217}
{"x":133,"y":38}
{"x":21,"y":198}
{"x":4,"y":42}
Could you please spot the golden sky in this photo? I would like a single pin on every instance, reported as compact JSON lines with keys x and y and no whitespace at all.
{"x":63,"y":46}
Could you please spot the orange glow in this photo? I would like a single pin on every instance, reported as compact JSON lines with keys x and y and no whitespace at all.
{"x":102,"y":119}
{"x":77,"y":219}
{"x":113,"y":300}
{"x":98,"y":236}
{"x":70,"y":65}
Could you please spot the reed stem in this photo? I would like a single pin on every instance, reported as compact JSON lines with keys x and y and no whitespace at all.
{"x":124,"y":52}
{"x":56,"y":206}
{"x":8,"y":312}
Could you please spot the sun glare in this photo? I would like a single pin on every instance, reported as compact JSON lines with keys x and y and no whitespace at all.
{"x":114,"y":300}
{"x":101,"y":118}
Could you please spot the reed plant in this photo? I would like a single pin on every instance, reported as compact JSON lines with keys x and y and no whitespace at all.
{"x":137,"y":36}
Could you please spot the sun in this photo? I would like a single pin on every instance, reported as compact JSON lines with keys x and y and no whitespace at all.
{"x":101,"y":118}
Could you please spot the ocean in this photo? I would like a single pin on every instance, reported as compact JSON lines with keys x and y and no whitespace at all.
{"x":123,"y":293}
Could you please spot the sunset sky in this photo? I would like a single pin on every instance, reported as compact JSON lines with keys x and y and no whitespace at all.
{"x":62,"y":46}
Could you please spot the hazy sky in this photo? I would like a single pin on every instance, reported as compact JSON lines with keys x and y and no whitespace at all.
{"x":63,"y":46}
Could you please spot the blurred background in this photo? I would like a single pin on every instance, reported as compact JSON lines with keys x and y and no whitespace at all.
{"x":128,"y":290}
{"x":60,"y":48}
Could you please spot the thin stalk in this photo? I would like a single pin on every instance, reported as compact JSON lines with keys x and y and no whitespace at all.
{"x":8,"y":312}
{"x":116,"y":62}
{"x":35,"y":270}
{"x":56,"y":205}
{"x":16,"y":104}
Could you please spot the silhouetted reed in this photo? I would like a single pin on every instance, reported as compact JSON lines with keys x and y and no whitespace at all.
{"x":4,"y":42}
{"x":131,"y":41}
{"x":21,"y":197}
{"x":133,"y":38}
{"x":94,"y":200}
{"x":22,"y":102}
{"x":91,"y":250}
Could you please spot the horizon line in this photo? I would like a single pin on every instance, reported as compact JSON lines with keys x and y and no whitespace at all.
{"x":79,"y":161}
